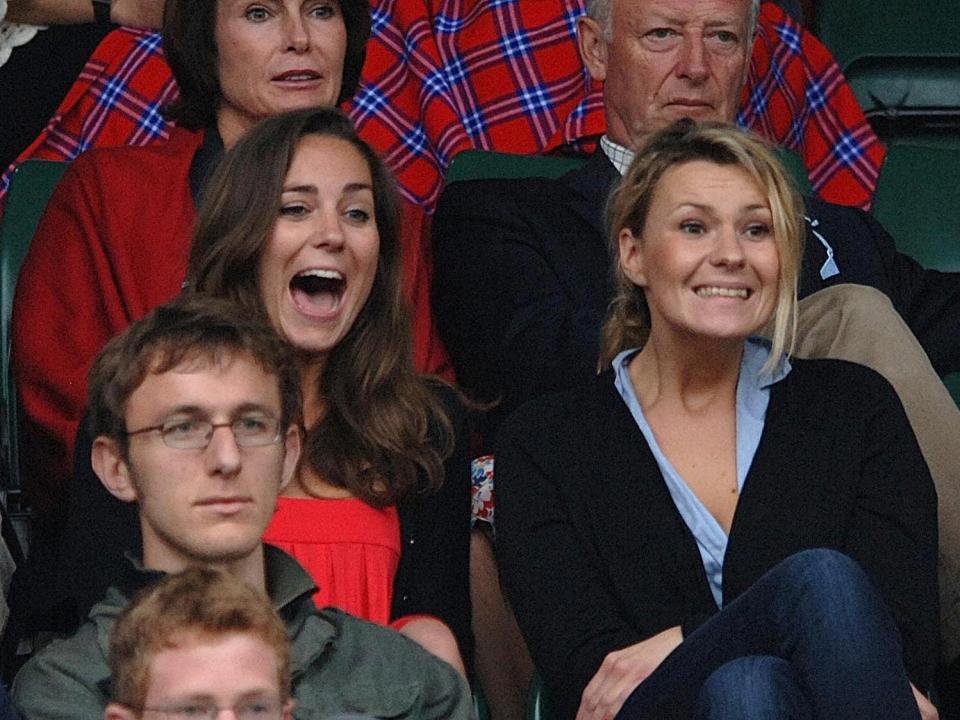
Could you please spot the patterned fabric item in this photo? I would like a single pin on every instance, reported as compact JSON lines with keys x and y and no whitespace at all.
{"x":116,"y":100}
{"x":447,"y":75}
{"x":481,"y":489}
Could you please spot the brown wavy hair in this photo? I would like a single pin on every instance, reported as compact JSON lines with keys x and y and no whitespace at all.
{"x":381,"y":414}
{"x":628,"y":321}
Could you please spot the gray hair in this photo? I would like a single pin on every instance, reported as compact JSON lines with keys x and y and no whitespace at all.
{"x":599,"y":11}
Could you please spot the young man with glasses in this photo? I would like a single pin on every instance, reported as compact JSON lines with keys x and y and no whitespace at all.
{"x":195,"y":412}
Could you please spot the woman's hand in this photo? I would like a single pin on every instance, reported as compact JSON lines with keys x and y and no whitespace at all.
{"x":927,"y":710}
{"x":621,"y":672}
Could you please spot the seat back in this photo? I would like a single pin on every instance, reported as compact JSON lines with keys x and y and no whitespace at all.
{"x":900,"y":58}
{"x":918,"y":202}
{"x":30,"y":188}
{"x":483,"y":164}
{"x":918,"y":199}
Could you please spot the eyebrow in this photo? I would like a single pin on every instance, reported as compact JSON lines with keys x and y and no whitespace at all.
{"x":657,"y":18}
{"x":347,"y":189}
{"x":196,"y":410}
{"x":711,"y":209}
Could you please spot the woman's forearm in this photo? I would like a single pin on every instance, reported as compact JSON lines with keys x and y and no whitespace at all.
{"x":139,"y":13}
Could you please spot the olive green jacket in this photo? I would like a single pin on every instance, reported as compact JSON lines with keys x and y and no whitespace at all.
{"x":339,"y":664}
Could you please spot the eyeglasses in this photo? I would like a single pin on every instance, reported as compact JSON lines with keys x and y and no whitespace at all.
{"x":248,"y":431}
{"x":255,"y":709}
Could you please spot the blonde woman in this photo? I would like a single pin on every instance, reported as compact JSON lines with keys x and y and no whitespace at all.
{"x":713,"y":529}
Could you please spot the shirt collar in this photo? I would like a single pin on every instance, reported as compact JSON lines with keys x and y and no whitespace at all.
{"x":756,"y":350}
{"x":286,"y":580}
{"x":620,"y":156}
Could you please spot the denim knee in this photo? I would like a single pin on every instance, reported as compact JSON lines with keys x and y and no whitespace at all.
{"x":827,"y":590}
{"x":753,"y":687}
{"x":826,"y":576}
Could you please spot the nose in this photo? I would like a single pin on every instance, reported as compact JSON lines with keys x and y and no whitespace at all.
{"x":727,"y":250}
{"x":693,"y":63}
{"x":223,"y":453}
{"x":296,"y":35}
{"x":328,"y":232}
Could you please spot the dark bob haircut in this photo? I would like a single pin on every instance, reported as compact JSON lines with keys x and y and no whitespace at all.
{"x":191,"y":51}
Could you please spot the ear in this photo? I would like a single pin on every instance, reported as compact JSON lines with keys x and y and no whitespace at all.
{"x":116,"y":711}
{"x":292,"y":445}
{"x":112,"y":468}
{"x":593,"y":47}
{"x":288,"y":707}
{"x":631,"y":257}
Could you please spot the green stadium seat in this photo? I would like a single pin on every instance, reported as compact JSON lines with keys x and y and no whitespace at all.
{"x":901,"y":58}
{"x":538,"y":704}
{"x":918,"y":202}
{"x":30,"y":188}
{"x":918,"y":199}
{"x":483,"y":164}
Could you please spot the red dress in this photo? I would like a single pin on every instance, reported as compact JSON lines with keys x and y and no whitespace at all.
{"x":350,"y":549}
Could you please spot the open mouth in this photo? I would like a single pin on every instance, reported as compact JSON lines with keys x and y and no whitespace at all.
{"x":318,"y":292}
{"x":708,"y":291}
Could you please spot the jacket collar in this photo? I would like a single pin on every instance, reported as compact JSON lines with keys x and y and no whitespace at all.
{"x":289,"y":587}
{"x":591,"y":184}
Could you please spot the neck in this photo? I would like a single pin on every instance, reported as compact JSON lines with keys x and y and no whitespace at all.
{"x":311,"y":372}
{"x":232,"y":126}
{"x":250,"y":568}
{"x":695,"y":373}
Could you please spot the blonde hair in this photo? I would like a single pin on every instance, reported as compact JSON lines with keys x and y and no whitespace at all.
{"x":628,"y":320}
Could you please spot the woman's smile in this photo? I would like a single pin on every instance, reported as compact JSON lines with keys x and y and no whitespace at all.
{"x":706,"y":257}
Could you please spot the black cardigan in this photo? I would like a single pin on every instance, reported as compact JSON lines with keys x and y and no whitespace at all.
{"x":595,"y":555}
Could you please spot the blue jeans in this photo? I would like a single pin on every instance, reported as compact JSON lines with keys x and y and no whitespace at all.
{"x":810,"y":640}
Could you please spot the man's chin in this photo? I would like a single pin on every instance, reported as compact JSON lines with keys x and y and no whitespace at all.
{"x":701,"y":113}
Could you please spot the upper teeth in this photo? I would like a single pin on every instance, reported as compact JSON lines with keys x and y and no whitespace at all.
{"x":298,"y":77}
{"x":329,"y":274}
{"x":724,"y":292}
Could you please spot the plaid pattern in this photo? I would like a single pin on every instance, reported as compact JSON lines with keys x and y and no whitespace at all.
{"x":115,"y":101}
{"x":482,"y":491}
{"x":447,"y":75}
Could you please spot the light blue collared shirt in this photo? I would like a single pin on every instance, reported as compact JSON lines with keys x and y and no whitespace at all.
{"x":753,"y":396}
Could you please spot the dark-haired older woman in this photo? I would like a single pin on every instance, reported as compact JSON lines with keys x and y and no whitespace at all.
{"x":712,"y":530}
{"x":113,"y":241}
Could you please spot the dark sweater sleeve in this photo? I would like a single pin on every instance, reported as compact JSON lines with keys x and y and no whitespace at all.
{"x":567,"y":615}
{"x":433,"y":575}
{"x":893,"y":533}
